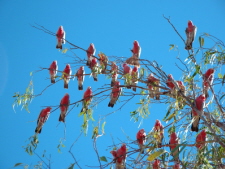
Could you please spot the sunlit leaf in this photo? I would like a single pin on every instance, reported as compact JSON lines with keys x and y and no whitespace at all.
{"x":156,"y":154}
{"x":103,"y":158}
{"x":201,"y":41}
{"x":103,"y":127}
{"x":171,"y":46}
{"x":220,"y":75}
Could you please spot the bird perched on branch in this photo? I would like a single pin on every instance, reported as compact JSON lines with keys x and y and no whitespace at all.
{"x":159,"y":132}
{"x":60,"y":36}
{"x":134,"y":76}
{"x":94,"y":68}
{"x":90,"y":53}
{"x":87,"y":98}
{"x":120,"y":157}
{"x":200,"y":139}
{"x":152,"y":83}
{"x":141,"y":139}
{"x":190,"y":33}
{"x":116,"y":91}
{"x":156,"y":164}
{"x":198,"y":104}
{"x":80,"y":77}
{"x":208,"y":78}
{"x":53,"y":70}
{"x":127,"y":75}
{"x":136,"y":52}
{"x":42,"y":118}
{"x":103,"y":62}
{"x":64,"y":105}
{"x":114,"y":71}
{"x":173,"y":148}
{"x":66,"y":75}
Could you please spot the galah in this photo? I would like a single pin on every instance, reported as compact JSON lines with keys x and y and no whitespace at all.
{"x":66,"y":75}
{"x":42,"y":118}
{"x":176,"y":166}
{"x":114,"y":154}
{"x":200,"y":139}
{"x":103,"y":62}
{"x":114,"y":71}
{"x":141,"y":139}
{"x":80,"y":77}
{"x":94,"y":68}
{"x":156,"y":164}
{"x":173,"y":147}
{"x":134,"y":76}
{"x":90,"y":53}
{"x":170,"y":82}
{"x":87,"y":98}
{"x":181,"y":87}
{"x":136,"y":52}
{"x":60,"y":36}
{"x":116,"y":91}
{"x":121,"y":157}
{"x":153,"y":90}
{"x":199,"y":104}
{"x":64,"y":105}
{"x":159,"y":132}
{"x":190,"y":33}
{"x":207,"y":81}
{"x":180,"y":98}
{"x":127,"y":74}
{"x":53,"y":71}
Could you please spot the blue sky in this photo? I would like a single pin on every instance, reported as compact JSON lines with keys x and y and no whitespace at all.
{"x":112,"y":26}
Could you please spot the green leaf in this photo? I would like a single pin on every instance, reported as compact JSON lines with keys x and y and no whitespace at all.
{"x":103,"y":127}
{"x":220,"y":75}
{"x":171,"y":46}
{"x":64,"y":50}
{"x":103,"y":158}
{"x":63,"y":145}
{"x":168,"y":112}
{"x":156,"y":154}
{"x":71,"y":166}
{"x":31,"y":73}
{"x":18,"y":164}
{"x":172,"y":129}
{"x":201,"y":41}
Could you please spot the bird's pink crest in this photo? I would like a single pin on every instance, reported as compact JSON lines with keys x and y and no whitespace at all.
{"x":68,"y":66}
{"x":203,"y":133}
{"x":190,"y":24}
{"x":124,"y":65}
{"x":136,"y":44}
{"x":170,"y":76}
{"x":135,"y":69}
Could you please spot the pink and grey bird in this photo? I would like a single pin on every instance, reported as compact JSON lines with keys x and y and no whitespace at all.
{"x":158,"y":129}
{"x":198,"y":104}
{"x":114,"y":71}
{"x":136,"y":52}
{"x":60,"y":36}
{"x":80,"y":77}
{"x":87,"y":98}
{"x":207,"y":81}
{"x":170,"y":82}
{"x":116,"y":91}
{"x":141,"y":139}
{"x":134,"y":76}
{"x":156,"y":164}
{"x":103,"y":62}
{"x":200,"y":140}
{"x":53,"y":71}
{"x":153,"y":90}
{"x":94,"y":68}
{"x":176,"y":166}
{"x":90,"y":53}
{"x":174,"y":141}
{"x":190,"y":33}
{"x":127,"y":75}
{"x":66,"y":75}
{"x":42,"y":118}
{"x":64,"y":105}
{"x":121,"y":157}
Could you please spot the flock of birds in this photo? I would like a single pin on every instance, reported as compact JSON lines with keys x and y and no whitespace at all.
{"x":131,"y":79}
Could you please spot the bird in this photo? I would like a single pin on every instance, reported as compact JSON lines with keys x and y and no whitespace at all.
{"x":134,"y":76}
{"x":127,"y":75}
{"x":80,"y":77}
{"x":121,"y":157}
{"x":190,"y":33}
{"x":200,"y":139}
{"x":64,"y":105}
{"x":114,"y":71}
{"x":156,"y":164}
{"x":116,"y":91}
{"x":42,"y":118}
{"x":90,"y":53}
{"x":141,"y":139}
{"x":136,"y":52}
{"x":103,"y":62}
{"x":66,"y":75}
{"x":208,"y":78}
{"x":53,"y":70}
{"x":153,"y":90}
{"x":158,"y":128}
{"x":60,"y":36}
{"x":87,"y":98}
{"x":198,"y":104}
{"x":173,"y":148}
{"x":94,"y":68}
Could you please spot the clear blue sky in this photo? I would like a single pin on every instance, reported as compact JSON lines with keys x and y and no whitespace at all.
{"x":112,"y":26}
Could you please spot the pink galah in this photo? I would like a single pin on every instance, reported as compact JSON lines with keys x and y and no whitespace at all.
{"x":199,"y":104}
{"x":66,"y":75}
{"x":134,"y":76}
{"x":170,"y":82}
{"x":156,"y":164}
{"x":153,"y":90}
{"x":60,"y":36}
{"x":176,"y":166}
{"x":158,"y":128}
{"x":121,"y":157}
{"x":136,"y":52}
{"x":173,"y":147}
{"x":90,"y":53}
{"x":116,"y":91}
{"x":94,"y":68}
{"x":181,"y":87}
{"x":103,"y":62}
{"x":80,"y":77}
{"x":42,"y":118}
{"x":141,"y":139}
{"x":208,"y":78}
{"x":87,"y":98}
{"x":64,"y":105}
{"x":127,"y":75}
{"x":114,"y":71}
{"x":53,"y":71}
{"x":200,"y":140}
{"x":190,"y":33}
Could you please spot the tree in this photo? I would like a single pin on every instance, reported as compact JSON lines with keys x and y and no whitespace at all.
{"x":195,"y":104}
